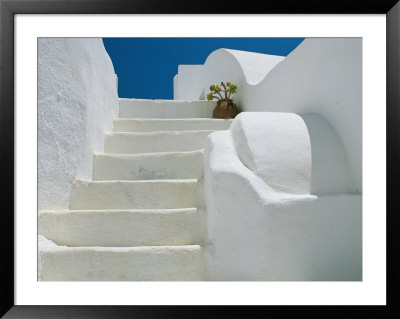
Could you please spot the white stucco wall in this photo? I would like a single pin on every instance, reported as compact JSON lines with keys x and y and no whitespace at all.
{"x":241,"y":67}
{"x":77,"y":99}
{"x":298,"y":218}
{"x":261,"y":149}
{"x":322,"y":76}
{"x":188,"y":85}
{"x":222,"y":65}
{"x":257,"y":231}
{"x":253,"y":67}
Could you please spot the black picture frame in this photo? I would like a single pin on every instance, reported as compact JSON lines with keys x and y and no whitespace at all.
{"x":8,"y":8}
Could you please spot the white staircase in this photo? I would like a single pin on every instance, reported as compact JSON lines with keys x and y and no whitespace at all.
{"x":142,"y":217}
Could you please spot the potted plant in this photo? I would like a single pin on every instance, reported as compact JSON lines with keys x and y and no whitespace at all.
{"x":226,"y":108}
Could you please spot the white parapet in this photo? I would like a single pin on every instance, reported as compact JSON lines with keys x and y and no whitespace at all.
{"x":188,"y":82}
{"x":275,"y":147}
{"x":258,"y":231}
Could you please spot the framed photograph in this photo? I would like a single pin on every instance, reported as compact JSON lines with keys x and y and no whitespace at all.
{"x":304,"y":218}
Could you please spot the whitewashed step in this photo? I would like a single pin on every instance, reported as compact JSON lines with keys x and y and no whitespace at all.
{"x":153,"y":125}
{"x":138,"y":108}
{"x":165,"y":165}
{"x":123,"y":228}
{"x":149,"y":142}
{"x":179,"y":193}
{"x":147,"y":263}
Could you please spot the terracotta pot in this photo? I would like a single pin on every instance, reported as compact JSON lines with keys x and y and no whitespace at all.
{"x":225,"y":109}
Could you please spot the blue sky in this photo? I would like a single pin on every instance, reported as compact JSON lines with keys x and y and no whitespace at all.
{"x":146,"y":66}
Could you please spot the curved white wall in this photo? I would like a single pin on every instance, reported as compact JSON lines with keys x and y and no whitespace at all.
{"x":321,"y":76}
{"x":331,"y":172}
{"x":255,"y":66}
{"x":236,"y":66}
{"x":258,"y":232}
{"x":276,"y":147}
{"x":77,"y":98}
{"x":298,"y":218}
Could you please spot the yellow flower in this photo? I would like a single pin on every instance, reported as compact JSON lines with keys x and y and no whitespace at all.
{"x":233,"y":87}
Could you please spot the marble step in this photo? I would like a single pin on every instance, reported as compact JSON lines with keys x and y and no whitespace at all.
{"x":145,"y":263}
{"x":179,"y":193}
{"x":147,"y":166}
{"x":141,"y":108}
{"x":123,"y":228}
{"x":153,"y":125}
{"x":150,"y":142}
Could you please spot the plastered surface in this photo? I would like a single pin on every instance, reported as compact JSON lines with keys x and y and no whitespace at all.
{"x":321,"y":76}
{"x":77,"y":99}
{"x":258,"y":232}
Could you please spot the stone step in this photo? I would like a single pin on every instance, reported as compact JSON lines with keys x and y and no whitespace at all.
{"x":123,"y":228}
{"x":146,"y":263}
{"x":163,"y":165}
{"x":153,"y":125}
{"x":179,"y":193}
{"x":150,"y":142}
{"x":138,"y":108}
